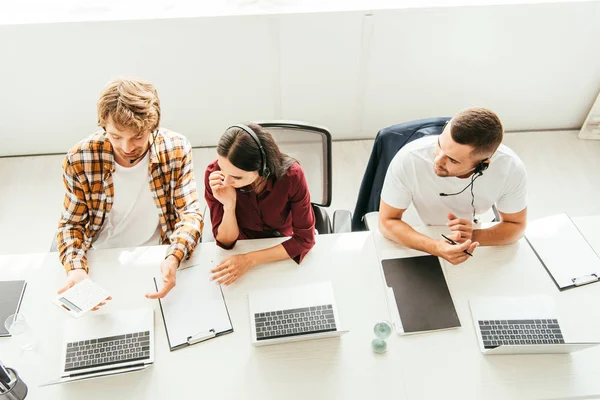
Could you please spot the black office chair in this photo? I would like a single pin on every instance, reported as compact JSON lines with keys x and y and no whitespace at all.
{"x":387,"y":143}
{"x":311,"y":146}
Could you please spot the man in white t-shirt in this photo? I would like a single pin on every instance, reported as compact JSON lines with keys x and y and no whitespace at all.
{"x":450,"y":179}
{"x":130,"y":184}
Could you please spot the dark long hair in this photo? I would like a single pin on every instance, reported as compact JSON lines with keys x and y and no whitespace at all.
{"x":243,"y":152}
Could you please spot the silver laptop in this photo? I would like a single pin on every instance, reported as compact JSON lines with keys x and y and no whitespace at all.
{"x":107,"y":344}
{"x":527,"y":325}
{"x":293,"y":314}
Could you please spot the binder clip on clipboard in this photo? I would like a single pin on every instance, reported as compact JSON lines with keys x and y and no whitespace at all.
{"x":201,"y":337}
{"x":584,"y":280}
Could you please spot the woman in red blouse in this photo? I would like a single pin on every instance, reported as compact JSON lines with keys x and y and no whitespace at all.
{"x":255,"y":191}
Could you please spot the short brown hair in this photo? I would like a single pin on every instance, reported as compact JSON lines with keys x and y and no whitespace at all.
{"x":479,"y":128}
{"x":131,"y":103}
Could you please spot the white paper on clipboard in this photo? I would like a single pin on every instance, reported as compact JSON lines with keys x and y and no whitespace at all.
{"x":194,"y":310}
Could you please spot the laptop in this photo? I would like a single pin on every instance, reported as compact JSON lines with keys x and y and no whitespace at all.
{"x":292,"y":314}
{"x":107,"y":344}
{"x":527,"y":325}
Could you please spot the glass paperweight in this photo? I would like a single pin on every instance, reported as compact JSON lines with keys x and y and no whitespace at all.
{"x":382,"y":329}
{"x":379,"y":345}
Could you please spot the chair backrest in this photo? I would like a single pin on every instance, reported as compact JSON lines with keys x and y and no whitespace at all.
{"x":387,"y":143}
{"x":311,"y":146}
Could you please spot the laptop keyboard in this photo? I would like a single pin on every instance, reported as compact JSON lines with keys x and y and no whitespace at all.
{"x":108,"y":351}
{"x":520,"y":332}
{"x":294,"y":322}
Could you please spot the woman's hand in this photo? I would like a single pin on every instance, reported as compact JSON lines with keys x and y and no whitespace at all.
{"x":226,"y":195}
{"x":232,"y":268}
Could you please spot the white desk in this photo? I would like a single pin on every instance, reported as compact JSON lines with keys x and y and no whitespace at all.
{"x":449,"y":364}
{"x":227,"y":367}
{"x":445,"y":364}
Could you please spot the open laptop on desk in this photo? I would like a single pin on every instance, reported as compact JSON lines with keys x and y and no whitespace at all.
{"x":107,"y":344}
{"x":293,"y":314}
{"x":528,"y":325}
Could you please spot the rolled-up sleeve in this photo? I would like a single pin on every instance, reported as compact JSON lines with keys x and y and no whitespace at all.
{"x":71,"y":239}
{"x":303,"y":220}
{"x":189,"y":227}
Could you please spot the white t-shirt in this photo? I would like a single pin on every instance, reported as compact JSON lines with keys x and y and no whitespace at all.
{"x":411,"y":179}
{"x":133,"y":218}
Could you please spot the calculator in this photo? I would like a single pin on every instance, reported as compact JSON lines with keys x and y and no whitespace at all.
{"x":81,"y":298}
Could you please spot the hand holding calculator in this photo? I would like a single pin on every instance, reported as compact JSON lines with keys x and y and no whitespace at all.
{"x":81,"y":298}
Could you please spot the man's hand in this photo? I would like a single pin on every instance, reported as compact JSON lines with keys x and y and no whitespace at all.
{"x":168,"y":268}
{"x":232,"y":268}
{"x":226,"y":195}
{"x":463,"y":227}
{"x":75,"y":276}
{"x":454,"y":253}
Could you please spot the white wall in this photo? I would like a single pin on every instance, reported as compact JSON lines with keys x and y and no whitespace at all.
{"x":537,"y":65}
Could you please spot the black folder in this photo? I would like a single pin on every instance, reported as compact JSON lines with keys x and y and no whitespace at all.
{"x":421,"y":293}
{"x":11,"y":294}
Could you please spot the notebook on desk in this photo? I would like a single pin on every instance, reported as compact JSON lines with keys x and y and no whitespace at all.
{"x":563,"y":251}
{"x":419,"y":291}
{"x":11,"y":294}
{"x":194,"y":310}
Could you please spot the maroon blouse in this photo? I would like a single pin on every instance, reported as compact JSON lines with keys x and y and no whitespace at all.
{"x":282,"y":209}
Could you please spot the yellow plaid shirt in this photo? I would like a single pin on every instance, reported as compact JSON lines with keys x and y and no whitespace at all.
{"x":87,"y":175}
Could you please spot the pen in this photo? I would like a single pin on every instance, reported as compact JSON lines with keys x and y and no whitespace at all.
{"x":453,"y":242}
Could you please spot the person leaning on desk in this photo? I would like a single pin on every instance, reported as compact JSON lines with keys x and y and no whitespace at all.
{"x":254,"y":191}
{"x":131,"y":184}
{"x":449,"y":179}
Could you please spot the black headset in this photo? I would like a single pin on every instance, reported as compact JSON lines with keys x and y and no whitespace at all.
{"x":482,"y":166}
{"x":477,"y":172}
{"x":131,"y":161}
{"x":264,"y":170}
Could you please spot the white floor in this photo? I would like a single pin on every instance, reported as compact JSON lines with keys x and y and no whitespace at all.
{"x":564,"y":176}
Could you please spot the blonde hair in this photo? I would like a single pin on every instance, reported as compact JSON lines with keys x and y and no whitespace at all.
{"x":131,"y":104}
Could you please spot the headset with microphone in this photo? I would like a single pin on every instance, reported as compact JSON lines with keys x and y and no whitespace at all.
{"x":160,"y":170}
{"x":477,"y":172}
{"x":264,"y":171}
{"x":131,"y":161}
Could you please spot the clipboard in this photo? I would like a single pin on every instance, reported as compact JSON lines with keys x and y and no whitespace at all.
{"x":195,"y":309}
{"x":564,"y":252}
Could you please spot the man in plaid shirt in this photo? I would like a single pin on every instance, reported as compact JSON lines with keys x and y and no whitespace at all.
{"x":131,"y":184}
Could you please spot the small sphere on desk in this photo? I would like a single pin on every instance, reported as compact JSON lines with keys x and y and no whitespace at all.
{"x":382,"y":330}
{"x":379,"y":345}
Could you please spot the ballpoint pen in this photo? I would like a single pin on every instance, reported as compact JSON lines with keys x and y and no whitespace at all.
{"x":453,"y":242}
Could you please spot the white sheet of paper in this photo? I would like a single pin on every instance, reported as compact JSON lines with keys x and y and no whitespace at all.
{"x":194,"y":306}
{"x":563,"y":249}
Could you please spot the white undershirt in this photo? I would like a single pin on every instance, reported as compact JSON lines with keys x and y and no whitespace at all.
{"x":133,"y":220}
